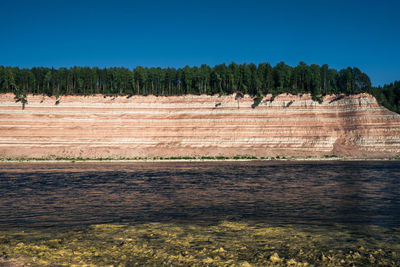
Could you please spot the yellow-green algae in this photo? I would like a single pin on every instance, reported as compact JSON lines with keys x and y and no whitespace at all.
{"x":223,"y":244}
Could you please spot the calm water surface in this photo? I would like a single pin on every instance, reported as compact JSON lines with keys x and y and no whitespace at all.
{"x":63,"y":194}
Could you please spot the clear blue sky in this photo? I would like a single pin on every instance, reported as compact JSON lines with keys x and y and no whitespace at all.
{"x":362,"y":33}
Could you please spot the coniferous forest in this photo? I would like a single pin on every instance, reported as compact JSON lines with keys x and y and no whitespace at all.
{"x":255,"y":80}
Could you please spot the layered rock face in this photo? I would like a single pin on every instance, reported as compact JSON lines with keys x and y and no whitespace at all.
{"x":150,"y":126}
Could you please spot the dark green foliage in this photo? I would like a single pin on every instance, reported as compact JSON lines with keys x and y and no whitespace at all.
{"x":317,"y":98}
{"x":256,"y":80}
{"x":289,"y":104}
{"x":21,"y":97}
{"x":388,"y":96}
{"x":257,"y":101}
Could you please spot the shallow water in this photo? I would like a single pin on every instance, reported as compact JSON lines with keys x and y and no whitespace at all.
{"x":325,"y":212}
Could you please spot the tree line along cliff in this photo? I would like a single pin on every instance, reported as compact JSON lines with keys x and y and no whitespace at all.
{"x":255,"y":80}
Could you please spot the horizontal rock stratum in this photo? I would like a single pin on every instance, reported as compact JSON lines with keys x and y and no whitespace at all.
{"x":150,"y":126}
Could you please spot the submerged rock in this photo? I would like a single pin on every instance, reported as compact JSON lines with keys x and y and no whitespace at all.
{"x":275,"y":258}
{"x":224,"y":244}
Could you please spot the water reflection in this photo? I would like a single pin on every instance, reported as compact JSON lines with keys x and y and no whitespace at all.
{"x":273,"y":192}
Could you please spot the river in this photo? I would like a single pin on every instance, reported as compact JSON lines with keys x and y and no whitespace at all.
{"x":314,"y":197}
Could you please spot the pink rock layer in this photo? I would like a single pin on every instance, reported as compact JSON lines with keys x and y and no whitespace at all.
{"x":195,"y":126}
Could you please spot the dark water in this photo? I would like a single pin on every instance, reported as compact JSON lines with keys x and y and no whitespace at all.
{"x":60,"y":194}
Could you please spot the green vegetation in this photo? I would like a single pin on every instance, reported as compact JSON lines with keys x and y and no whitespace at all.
{"x":257,"y":100}
{"x":220,"y":79}
{"x":289,"y":104}
{"x":255,"y":80}
{"x":330,"y":156}
{"x":389,"y":96}
{"x":221,"y":244}
{"x":81,"y":159}
{"x":200,"y":158}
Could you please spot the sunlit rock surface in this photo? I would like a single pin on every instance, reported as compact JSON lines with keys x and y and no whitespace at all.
{"x":195,"y":126}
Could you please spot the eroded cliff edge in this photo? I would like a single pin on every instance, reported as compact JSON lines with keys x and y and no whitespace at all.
{"x":150,"y":126}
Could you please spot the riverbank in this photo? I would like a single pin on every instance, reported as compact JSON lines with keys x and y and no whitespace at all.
{"x":191,"y":159}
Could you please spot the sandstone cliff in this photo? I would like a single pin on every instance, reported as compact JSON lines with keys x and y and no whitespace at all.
{"x":150,"y":126}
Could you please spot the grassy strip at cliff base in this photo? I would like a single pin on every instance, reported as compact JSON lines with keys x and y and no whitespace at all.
{"x":186,"y":158}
